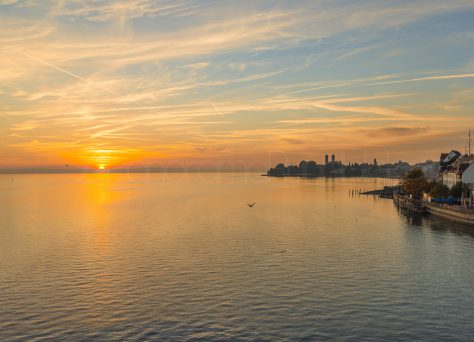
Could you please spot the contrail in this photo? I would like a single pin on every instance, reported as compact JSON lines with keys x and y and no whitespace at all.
{"x":323,"y":87}
{"x":69,"y":73}
{"x":362,"y":83}
{"x":427,"y":78}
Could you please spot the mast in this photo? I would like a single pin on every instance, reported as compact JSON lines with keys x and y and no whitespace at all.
{"x":469,"y":141}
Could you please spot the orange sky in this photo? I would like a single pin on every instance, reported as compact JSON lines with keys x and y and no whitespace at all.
{"x":139,"y":84}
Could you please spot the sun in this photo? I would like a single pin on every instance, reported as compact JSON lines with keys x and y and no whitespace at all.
{"x":101,"y":167}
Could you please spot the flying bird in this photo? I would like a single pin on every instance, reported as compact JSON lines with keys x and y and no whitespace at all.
{"x":251,"y":204}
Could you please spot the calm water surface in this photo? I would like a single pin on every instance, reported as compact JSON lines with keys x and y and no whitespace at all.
{"x":182,"y":257}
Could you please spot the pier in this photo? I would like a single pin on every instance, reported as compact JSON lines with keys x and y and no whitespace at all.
{"x":407,"y":203}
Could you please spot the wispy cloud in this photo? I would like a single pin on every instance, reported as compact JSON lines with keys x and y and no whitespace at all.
{"x":427,"y":78}
{"x":152,"y":80}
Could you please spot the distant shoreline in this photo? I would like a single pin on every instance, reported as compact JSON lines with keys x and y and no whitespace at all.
{"x":322,"y":176}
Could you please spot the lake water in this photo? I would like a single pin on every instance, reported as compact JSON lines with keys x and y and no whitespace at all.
{"x":182,"y":257}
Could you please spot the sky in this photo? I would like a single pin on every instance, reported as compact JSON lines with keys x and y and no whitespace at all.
{"x":232,"y":84}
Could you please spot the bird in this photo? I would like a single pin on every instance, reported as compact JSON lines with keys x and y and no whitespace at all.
{"x":251,"y":204}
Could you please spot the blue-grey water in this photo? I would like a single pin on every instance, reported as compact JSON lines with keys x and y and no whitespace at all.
{"x":182,"y":257}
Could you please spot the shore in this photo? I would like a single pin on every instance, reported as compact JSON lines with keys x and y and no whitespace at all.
{"x":454,"y":213}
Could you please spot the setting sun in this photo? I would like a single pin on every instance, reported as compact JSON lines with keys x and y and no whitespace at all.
{"x":101,"y":167}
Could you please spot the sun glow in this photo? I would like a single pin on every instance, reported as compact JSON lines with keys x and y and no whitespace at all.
{"x":101,"y":167}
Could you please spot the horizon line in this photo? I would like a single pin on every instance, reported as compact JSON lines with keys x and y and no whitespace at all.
{"x":158,"y":169}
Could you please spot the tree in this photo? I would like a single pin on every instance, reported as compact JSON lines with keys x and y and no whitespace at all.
{"x":415,"y":182}
{"x":312,"y":168}
{"x":415,"y":173}
{"x":292,"y":170}
{"x":438,"y":190}
{"x":303,"y":165}
{"x":456,"y":190}
{"x":278,"y":171}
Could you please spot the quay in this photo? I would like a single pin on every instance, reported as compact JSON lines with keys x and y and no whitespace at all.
{"x":449,"y":193}
{"x":457,"y":213}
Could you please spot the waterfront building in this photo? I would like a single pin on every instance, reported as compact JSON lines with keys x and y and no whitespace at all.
{"x":447,"y":159}
{"x":455,"y":168}
{"x":470,"y":195}
{"x":448,"y":174}
{"x":468,"y":179}
{"x":468,"y":174}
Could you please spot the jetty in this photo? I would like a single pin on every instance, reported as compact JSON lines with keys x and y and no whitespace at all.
{"x":386,"y":192}
{"x":409,"y":203}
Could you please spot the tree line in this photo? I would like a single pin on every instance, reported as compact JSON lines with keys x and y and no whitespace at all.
{"x":415,"y":183}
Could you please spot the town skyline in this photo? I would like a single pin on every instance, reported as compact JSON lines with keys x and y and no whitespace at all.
{"x":145,"y":84}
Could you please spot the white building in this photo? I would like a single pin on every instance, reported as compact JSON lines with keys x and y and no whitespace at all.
{"x":457,"y":169}
{"x":468,"y":179}
{"x":450,"y":178}
{"x":468,"y":174}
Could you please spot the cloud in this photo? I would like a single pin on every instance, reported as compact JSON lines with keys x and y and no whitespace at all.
{"x":122,"y":11}
{"x":198,"y":65}
{"x":157,"y":79}
{"x":354,"y":52}
{"x":397,"y":131}
{"x":238,"y":66}
{"x":294,"y":141}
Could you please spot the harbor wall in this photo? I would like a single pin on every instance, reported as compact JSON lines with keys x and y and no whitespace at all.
{"x":450,"y":214}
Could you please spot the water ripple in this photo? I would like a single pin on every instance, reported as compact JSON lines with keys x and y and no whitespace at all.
{"x":189,"y":261}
